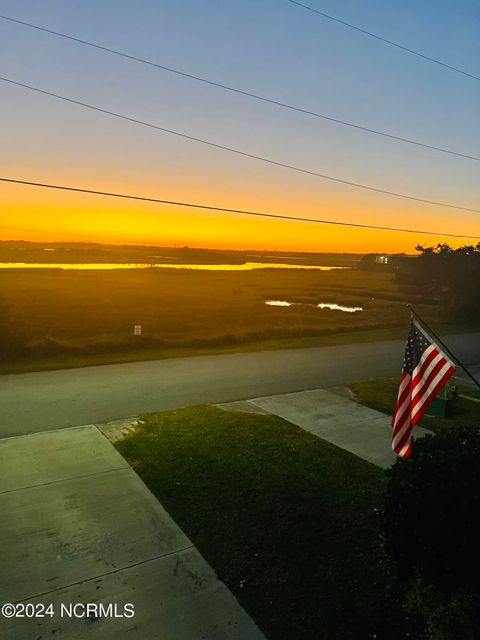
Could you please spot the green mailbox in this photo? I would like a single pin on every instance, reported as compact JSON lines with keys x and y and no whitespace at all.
{"x":439,"y":407}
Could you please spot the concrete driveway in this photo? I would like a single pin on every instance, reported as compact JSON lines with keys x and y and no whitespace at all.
{"x":79,"y":527}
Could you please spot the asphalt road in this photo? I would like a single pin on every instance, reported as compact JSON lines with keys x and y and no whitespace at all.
{"x":32,"y":402}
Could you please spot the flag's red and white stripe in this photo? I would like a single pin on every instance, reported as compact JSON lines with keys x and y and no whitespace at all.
{"x":415,"y":393}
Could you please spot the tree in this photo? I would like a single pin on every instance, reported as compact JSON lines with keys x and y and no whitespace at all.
{"x":450,"y":277}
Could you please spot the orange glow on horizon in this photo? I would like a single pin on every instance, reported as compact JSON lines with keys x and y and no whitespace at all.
{"x":44,"y":215}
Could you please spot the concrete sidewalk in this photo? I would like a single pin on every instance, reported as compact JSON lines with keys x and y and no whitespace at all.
{"x":334,"y":415}
{"x":79,"y":526}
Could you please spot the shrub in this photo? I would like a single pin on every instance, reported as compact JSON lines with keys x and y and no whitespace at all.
{"x":431,"y":515}
{"x":453,"y":617}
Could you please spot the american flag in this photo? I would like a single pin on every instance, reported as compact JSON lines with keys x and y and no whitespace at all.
{"x":425,"y":371}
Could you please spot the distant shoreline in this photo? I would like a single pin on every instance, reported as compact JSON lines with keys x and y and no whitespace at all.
{"x":245,"y":266}
{"x":62,"y":253}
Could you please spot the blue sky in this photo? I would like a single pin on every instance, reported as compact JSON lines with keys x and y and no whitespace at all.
{"x":269,"y":47}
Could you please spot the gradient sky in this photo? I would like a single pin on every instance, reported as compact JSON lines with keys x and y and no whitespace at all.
{"x":265,"y":46}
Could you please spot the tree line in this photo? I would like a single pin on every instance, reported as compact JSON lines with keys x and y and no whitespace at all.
{"x":438,"y":274}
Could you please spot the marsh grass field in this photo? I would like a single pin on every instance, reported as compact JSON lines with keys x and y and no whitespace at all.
{"x":55,"y":318}
{"x":61,"y":318}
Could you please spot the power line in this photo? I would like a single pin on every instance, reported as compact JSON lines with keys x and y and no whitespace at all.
{"x":245,"y":212}
{"x":385,"y":40}
{"x":237,"y":151}
{"x":248,"y":94}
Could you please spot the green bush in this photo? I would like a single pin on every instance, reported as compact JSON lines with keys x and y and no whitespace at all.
{"x":431,"y":515}
{"x":441,"y":617}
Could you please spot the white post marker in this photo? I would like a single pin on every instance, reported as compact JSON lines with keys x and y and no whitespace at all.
{"x":137,"y":329}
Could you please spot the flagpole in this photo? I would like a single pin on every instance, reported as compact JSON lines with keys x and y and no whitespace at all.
{"x":434,"y":335}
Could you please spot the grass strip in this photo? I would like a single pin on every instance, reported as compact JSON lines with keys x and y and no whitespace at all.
{"x":381,"y":395}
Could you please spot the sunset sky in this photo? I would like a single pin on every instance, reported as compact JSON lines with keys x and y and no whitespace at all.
{"x":269,"y":47}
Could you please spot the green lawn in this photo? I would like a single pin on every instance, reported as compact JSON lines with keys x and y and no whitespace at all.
{"x":381,"y":395}
{"x":286,"y":519}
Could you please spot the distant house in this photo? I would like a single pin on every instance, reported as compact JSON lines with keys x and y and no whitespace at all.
{"x":387,"y":261}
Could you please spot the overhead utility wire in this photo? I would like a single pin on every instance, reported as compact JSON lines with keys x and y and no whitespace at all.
{"x":245,"y":212}
{"x":385,"y":40}
{"x":237,"y":151}
{"x":249,"y":94}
